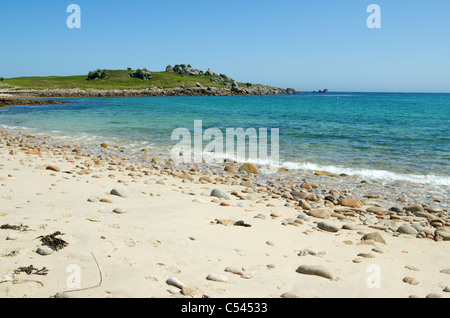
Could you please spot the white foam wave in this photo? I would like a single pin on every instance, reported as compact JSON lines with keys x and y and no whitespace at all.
{"x":372,"y":173}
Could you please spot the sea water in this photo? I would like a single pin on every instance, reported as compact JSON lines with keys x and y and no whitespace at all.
{"x":399,"y":136}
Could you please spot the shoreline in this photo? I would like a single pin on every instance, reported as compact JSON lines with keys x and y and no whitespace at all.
{"x":168,"y":225}
{"x":151,"y":92}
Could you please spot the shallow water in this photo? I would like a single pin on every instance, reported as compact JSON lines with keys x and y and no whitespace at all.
{"x":402,"y":137}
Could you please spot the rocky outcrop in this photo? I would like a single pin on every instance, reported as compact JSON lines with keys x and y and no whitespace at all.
{"x":177,"y":91}
{"x":19,"y":101}
{"x":143,"y":74}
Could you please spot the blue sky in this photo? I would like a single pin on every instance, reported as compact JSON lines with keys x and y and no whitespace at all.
{"x":304,"y":44}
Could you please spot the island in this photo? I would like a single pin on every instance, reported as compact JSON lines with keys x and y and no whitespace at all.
{"x":177,"y":80}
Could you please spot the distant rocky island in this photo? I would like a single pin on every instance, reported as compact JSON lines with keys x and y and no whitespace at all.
{"x":325,"y":91}
{"x":177,"y":80}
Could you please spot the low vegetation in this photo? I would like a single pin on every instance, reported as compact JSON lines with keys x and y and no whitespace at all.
{"x":178,"y":76}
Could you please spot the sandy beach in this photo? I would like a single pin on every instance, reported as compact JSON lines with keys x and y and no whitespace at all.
{"x":156,"y":231}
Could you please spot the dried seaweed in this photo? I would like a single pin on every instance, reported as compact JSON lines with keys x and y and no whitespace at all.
{"x":21,"y":227}
{"x":53,"y":241}
{"x":31,"y":270}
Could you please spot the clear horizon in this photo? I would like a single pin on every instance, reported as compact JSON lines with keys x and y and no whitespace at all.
{"x":299,"y":44}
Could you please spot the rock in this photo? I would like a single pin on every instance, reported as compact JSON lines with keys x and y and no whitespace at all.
{"x":303,"y":217}
{"x":328,"y":227}
{"x":375,"y":236}
{"x":444,"y":234}
{"x":92,"y":199}
{"x":34,"y":152}
{"x":315,"y":270}
{"x":220,"y":194}
{"x":319,"y":213}
{"x":231,"y":169}
{"x":350,"y":203}
{"x":217,"y":278}
{"x":376,"y":209}
{"x":206,"y":179}
{"x":304,"y":205}
{"x":53,"y":168}
{"x":104,"y":145}
{"x":407,"y":229}
{"x":44,"y":250}
{"x":366,"y":255}
{"x":414,"y":208}
{"x":173,"y":281}
{"x":119,"y":211}
{"x":325,"y":173}
{"x":234,"y":270}
{"x":249,"y":167}
{"x":306,"y":186}
{"x":120,"y":192}
{"x":411,"y":281}
{"x":12,"y":237}
{"x":187,"y":176}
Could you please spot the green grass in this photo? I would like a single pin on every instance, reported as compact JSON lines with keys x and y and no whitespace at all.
{"x":116,"y":79}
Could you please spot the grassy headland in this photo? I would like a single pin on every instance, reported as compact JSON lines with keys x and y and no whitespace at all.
{"x":183,"y":76}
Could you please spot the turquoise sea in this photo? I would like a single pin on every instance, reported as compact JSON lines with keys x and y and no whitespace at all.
{"x":399,"y":136}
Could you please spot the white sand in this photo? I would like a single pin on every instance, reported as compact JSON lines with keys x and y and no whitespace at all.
{"x":168,"y":235}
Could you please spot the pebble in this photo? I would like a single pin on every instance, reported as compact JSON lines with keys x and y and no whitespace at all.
{"x":303,"y":216}
{"x":241,"y":204}
{"x":120,"y":192}
{"x":366,"y":255}
{"x":411,"y":281}
{"x":234,"y":270}
{"x":377,"y":250}
{"x":12,"y":237}
{"x":315,"y":270}
{"x":219,"y":194}
{"x":319,"y":213}
{"x":414,"y":208}
{"x":173,"y":281}
{"x":53,"y":168}
{"x":350,"y":203}
{"x":413,"y":268}
{"x":44,"y":250}
{"x":375,"y":236}
{"x":407,"y":229}
{"x":217,"y":278}
{"x":119,"y":210}
{"x":92,"y":199}
{"x":328,"y":227}
{"x":358,"y":260}
{"x":447,"y":289}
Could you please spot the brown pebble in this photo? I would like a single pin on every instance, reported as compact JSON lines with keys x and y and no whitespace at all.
{"x":411,"y":281}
